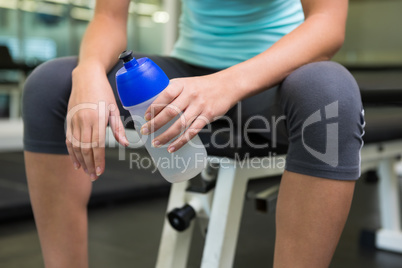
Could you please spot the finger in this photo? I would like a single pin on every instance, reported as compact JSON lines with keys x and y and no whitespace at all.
{"x":69,"y":144}
{"x":87,"y":152}
{"x":98,"y":143}
{"x":168,"y":113}
{"x":76,"y":146}
{"x":190,"y":133}
{"x":178,"y":127}
{"x":171,"y":92}
{"x":117,"y":126}
{"x":70,"y":150}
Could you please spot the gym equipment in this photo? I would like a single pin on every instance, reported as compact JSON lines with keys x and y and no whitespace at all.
{"x":12,"y":87}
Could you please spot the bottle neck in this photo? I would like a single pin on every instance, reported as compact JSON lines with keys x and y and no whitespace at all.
{"x":130,"y":64}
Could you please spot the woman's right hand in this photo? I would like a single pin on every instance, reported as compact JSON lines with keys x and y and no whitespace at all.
{"x":91,"y":107}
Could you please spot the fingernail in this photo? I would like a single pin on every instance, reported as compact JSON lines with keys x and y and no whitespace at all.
{"x":156,"y":144}
{"x":76,"y":166}
{"x":93,"y":177}
{"x":144,"y":131}
{"x":147,"y":116}
{"x":125,"y":140}
{"x":98,"y":171}
{"x":171,"y":149}
{"x":86,"y":171}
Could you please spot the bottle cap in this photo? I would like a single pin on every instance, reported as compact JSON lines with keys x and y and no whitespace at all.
{"x":126,"y":56}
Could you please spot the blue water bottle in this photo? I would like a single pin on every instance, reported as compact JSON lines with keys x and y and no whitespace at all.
{"x":138,"y":84}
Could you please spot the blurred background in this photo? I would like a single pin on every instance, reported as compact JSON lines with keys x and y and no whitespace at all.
{"x":124,"y":209}
{"x":37,"y":31}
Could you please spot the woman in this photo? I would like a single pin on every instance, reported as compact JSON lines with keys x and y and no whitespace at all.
{"x":270,"y":54}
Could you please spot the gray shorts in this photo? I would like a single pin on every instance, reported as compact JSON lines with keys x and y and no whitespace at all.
{"x":316,"y":111}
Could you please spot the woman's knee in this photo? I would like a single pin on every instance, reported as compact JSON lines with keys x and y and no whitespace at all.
{"x":48,"y":85}
{"x":317,"y":85}
{"x":325,"y":122}
{"x":45,"y":101}
{"x":49,"y":79}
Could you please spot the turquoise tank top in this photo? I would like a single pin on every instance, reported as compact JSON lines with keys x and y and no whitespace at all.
{"x":220,"y":33}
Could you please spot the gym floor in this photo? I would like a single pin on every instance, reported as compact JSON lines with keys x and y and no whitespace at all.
{"x":125,"y":223}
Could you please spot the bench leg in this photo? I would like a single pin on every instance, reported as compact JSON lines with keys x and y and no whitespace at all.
{"x":389,"y":237}
{"x":175,"y":246}
{"x":224,"y":223}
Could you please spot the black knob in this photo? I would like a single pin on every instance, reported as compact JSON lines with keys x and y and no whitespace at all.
{"x":180,"y":218}
{"x":126,"y":56}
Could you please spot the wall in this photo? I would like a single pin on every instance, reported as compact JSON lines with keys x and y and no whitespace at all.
{"x":374,"y":33}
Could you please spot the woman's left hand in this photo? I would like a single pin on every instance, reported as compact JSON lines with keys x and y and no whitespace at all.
{"x":199,"y":100}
